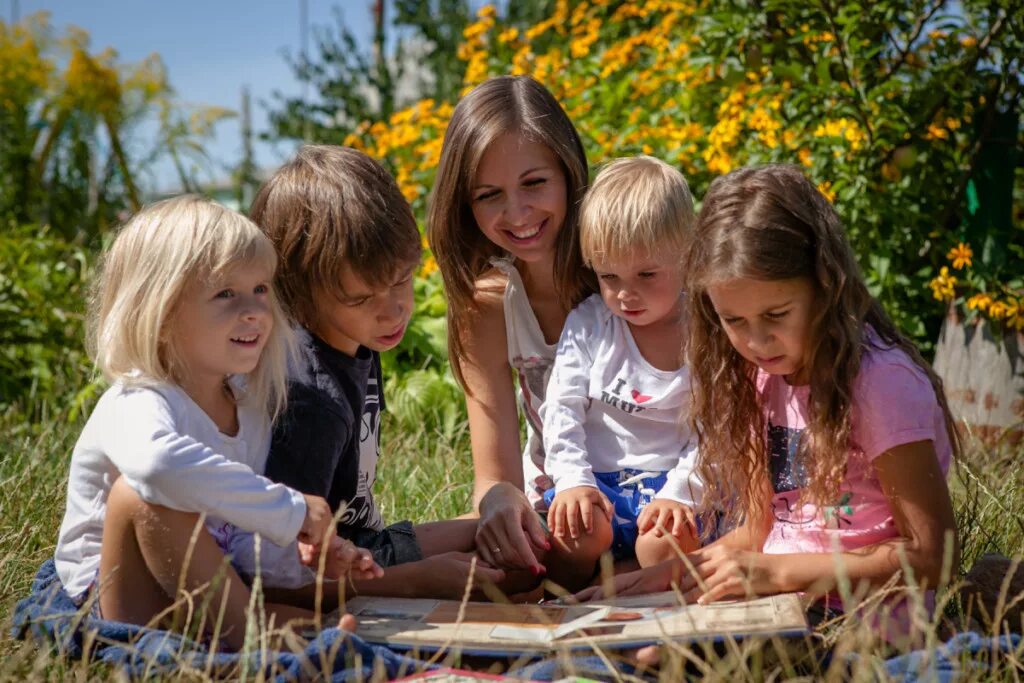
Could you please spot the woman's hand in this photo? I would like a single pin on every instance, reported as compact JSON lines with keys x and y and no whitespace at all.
{"x":509,"y":533}
{"x":654,"y":579}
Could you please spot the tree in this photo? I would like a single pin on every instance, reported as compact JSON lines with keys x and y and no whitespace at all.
{"x":67,"y":120}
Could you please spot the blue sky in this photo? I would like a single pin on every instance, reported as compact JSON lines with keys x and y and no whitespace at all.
{"x":211,"y":49}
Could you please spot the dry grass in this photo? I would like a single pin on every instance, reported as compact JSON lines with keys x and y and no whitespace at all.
{"x":423,"y":477}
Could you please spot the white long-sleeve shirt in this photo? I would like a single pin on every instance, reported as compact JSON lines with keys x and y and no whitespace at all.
{"x":608,"y":409}
{"x":172,"y":454}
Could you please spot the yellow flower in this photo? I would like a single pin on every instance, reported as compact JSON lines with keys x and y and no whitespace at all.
{"x":936,"y":133}
{"x":979,"y":302}
{"x":1014,"y":313}
{"x":429,"y":266}
{"x":805,"y":157}
{"x":961,"y":256}
{"x":944,"y":286}
{"x":826,"y":189}
{"x":998,"y":310}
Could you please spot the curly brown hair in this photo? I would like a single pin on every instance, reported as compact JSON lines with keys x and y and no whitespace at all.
{"x":771,"y":223}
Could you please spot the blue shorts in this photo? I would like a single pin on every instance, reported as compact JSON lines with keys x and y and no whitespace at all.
{"x":629,"y":492}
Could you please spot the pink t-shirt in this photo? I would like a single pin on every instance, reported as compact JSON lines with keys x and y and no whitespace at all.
{"x":893,"y":404}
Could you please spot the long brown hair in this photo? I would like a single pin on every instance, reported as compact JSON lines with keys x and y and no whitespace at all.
{"x":506,"y":104}
{"x":771,"y":223}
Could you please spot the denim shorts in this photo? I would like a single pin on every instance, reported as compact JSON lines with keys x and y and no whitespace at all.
{"x":629,"y":491}
{"x":394,"y":544}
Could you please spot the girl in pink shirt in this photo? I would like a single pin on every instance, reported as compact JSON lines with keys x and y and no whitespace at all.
{"x":823,"y":433}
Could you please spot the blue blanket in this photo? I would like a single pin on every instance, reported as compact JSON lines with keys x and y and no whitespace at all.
{"x":962,"y":655}
{"x":49,"y":616}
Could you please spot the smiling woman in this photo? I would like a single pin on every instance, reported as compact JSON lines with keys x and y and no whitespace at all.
{"x":503,"y":227}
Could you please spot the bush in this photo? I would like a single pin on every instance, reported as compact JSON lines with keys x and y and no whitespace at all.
{"x":886,"y":105}
{"x":43,"y":293}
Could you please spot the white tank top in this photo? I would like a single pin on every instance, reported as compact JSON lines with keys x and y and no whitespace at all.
{"x":531,"y":358}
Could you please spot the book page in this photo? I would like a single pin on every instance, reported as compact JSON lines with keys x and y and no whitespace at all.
{"x":502,"y":628}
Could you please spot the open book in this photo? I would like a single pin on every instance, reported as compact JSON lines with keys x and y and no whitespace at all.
{"x":501,"y":629}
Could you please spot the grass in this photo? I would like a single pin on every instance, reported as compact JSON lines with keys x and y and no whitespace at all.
{"x":423,"y":477}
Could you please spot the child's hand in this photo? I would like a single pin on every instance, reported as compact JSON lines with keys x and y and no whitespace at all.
{"x":318,"y":521}
{"x":573,"y":506}
{"x":343,"y":559}
{"x":661,"y":515}
{"x":720,"y":573}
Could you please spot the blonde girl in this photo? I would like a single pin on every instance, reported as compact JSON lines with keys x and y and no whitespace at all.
{"x":821,"y":429}
{"x":187,"y":330}
{"x":503,"y":227}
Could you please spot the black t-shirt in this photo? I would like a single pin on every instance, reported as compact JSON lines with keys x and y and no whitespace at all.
{"x":326,"y":442}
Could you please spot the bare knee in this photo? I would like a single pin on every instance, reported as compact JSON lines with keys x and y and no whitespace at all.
{"x":123,"y":502}
{"x":571,"y":562}
{"x":652,"y":549}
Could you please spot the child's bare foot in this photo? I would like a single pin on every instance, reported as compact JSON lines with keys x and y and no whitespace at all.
{"x":347,"y":622}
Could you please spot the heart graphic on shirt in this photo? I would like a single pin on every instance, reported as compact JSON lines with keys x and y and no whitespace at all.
{"x":638,"y":397}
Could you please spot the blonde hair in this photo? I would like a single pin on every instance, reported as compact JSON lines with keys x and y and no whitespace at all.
{"x":162,"y":250}
{"x":771,"y":223}
{"x":637,"y":205}
{"x":506,"y":104}
{"x":331,"y":210}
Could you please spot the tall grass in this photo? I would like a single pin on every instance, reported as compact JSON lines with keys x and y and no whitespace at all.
{"x":423,"y":476}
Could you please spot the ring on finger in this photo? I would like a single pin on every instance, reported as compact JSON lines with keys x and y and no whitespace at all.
{"x":497,"y":549}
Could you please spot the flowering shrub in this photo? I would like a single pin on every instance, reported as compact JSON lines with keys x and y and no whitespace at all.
{"x":999,"y":301}
{"x":882,"y":103}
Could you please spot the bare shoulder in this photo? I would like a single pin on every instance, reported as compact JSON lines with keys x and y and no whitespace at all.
{"x":489,"y":291}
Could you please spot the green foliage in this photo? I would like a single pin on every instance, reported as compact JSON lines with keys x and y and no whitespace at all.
{"x":890,"y":107}
{"x":69,"y":118}
{"x":420,"y":391}
{"x":353,"y":82}
{"x":413,"y":54}
{"x":43,"y":286}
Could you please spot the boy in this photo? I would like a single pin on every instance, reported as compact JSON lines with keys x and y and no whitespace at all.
{"x":348,"y":250}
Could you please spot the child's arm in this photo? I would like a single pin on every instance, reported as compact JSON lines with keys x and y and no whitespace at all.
{"x":915,"y":487}
{"x":564,"y":415}
{"x":168,"y":468}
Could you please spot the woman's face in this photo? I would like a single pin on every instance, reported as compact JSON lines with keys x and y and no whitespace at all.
{"x":518,"y":196}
